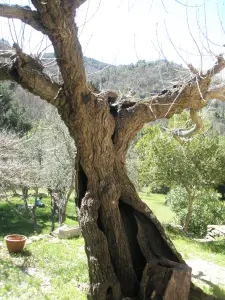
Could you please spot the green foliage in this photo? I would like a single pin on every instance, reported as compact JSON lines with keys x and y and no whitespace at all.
{"x":13,"y":117}
{"x":162,"y":189}
{"x":207,"y":209}
{"x":195,"y":165}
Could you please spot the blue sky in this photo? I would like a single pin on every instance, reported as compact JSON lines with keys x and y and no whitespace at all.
{"x":124,"y":31}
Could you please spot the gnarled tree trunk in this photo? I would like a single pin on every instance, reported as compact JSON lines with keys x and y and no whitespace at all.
{"x":128,"y":252}
{"x":129,"y":255}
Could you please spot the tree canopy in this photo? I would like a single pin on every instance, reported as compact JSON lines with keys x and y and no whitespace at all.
{"x":196,"y":164}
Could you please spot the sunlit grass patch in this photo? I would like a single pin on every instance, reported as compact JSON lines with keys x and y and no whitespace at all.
{"x":46,"y":269}
{"x":156,"y":202}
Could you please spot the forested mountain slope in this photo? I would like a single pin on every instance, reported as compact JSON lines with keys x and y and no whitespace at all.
{"x":142,"y":79}
{"x":145,"y":78}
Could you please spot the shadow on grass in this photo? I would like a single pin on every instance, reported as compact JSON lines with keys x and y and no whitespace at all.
{"x":13,"y":222}
{"x":20,"y":223}
{"x":213,"y":288}
{"x":73,"y":218}
{"x":218,"y":291}
{"x":211,"y":246}
{"x":215,"y":246}
{"x":19,"y":261}
{"x":24,"y":253}
{"x":6,"y":265}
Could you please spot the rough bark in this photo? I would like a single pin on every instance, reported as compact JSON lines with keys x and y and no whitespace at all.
{"x":67,"y":197}
{"x":129,"y":254}
{"x":154,"y":282}
{"x":55,"y":199}
{"x":33,"y":213}
{"x":25,"y":197}
{"x":189,"y":210}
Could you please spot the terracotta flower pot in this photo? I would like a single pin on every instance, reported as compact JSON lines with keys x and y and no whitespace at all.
{"x":15,"y":242}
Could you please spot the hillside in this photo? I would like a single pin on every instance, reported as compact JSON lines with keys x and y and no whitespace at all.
{"x":145,"y":78}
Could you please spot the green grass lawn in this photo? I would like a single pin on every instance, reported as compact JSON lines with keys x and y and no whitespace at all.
{"x":210,"y":251}
{"x":46,"y":269}
{"x":13,"y":222}
{"x":157,"y":204}
{"x":57,"y":269}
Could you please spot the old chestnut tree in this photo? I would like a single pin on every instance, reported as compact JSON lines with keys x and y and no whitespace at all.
{"x":129,"y":255}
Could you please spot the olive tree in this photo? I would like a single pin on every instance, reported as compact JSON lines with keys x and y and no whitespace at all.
{"x":57,"y":172}
{"x":129,"y":254}
{"x":196,"y":165}
{"x":12,"y":168}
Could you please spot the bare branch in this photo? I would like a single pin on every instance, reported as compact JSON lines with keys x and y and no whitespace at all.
{"x":187,"y":5}
{"x":25,"y":14}
{"x":181,"y":133}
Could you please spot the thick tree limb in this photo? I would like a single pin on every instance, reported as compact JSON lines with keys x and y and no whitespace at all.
{"x":78,"y":3}
{"x":58,"y":18}
{"x":25,"y":14}
{"x":28,"y":72}
{"x":167,"y":280}
{"x":194,"y":95}
{"x":217,"y":92}
{"x":218,"y":67}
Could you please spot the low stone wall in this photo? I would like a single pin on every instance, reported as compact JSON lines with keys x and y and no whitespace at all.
{"x":215,"y":231}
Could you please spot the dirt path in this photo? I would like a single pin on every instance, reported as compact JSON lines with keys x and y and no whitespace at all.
{"x":209,"y":273}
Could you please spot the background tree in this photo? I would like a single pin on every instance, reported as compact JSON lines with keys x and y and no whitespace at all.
{"x":57,"y":172}
{"x":196,"y":165}
{"x":13,"y":116}
{"x":11,"y":165}
{"x":16,"y":170}
{"x":125,"y":244}
{"x":207,"y":209}
{"x":43,"y":158}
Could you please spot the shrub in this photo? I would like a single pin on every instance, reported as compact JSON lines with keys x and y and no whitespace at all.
{"x":160,"y":190}
{"x":207,"y":209}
